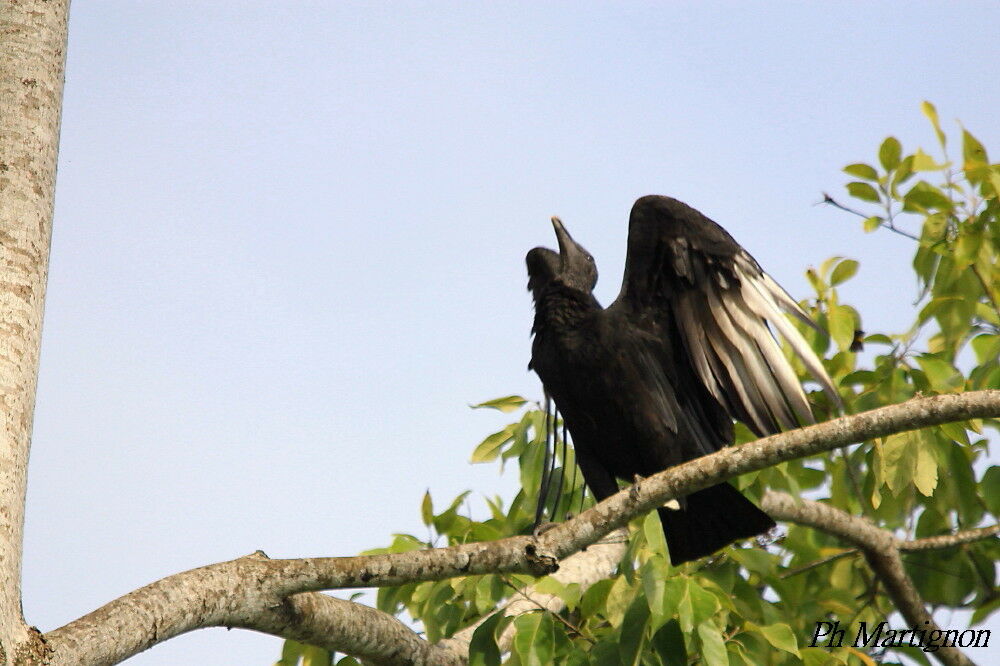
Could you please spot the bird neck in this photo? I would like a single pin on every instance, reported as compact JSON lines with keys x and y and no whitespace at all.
{"x":560,"y":308}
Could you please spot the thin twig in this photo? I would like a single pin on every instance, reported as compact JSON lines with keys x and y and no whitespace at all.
{"x":818,"y":563}
{"x":886,"y":224}
{"x":986,"y":289}
{"x":524,"y":594}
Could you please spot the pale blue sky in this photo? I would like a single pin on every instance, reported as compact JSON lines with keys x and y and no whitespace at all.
{"x":289,"y":242}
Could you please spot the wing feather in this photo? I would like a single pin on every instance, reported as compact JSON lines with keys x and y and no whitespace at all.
{"x":689,"y":277}
{"x":770,"y":407}
{"x":761,"y":300}
{"x":782,"y":372}
{"x":755,"y":338}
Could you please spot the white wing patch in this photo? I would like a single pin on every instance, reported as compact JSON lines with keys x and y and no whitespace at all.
{"x":728,"y":330}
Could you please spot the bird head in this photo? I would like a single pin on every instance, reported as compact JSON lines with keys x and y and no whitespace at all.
{"x":543,"y":266}
{"x":576,"y":266}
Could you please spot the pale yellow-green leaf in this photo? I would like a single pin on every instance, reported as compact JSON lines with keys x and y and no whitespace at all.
{"x":925,"y":476}
{"x":844,"y":271}
{"x":862,"y":191}
{"x":861,"y":171}
{"x":816,"y":281}
{"x":506,"y":404}
{"x":840,"y":320}
{"x":995,"y":182}
{"x":490,"y":447}
{"x":653,"y":531}
{"x":924,"y":162}
{"x":928,"y":110}
{"x":427,"y":508}
{"x":940,"y":373}
{"x":827,"y":265}
{"x":986,"y":346}
{"x":895,"y":462}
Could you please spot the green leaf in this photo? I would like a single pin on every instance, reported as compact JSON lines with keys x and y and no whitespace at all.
{"x":652,"y":529}
{"x":816,"y":281}
{"x":315,"y":656}
{"x":535,"y":638}
{"x":844,"y":271}
{"x":348,"y":661}
{"x":703,"y":603}
{"x":483,"y":648}
{"x":654,"y":587}
{"x":862,"y":191}
{"x":942,"y":375}
{"x":928,"y":110}
{"x":969,"y":241}
{"x":973,"y":151}
{"x":669,"y":644}
{"x":924,"y":197}
{"x":925,"y":474}
{"x":618,"y":600}
{"x":924,"y":162}
{"x":878,"y":339}
{"x":490,"y":447}
{"x":779,"y":635}
{"x":889,"y":153}
{"x":895,"y":467}
{"x":594,"y":598}
{"x":990,"y":489}
{"x":633,"y":632}
{"x":842,"y":324}
{"x":505,"y":405}
{"x":290,"y":653}
{"x":872,"y":223}
{"x":863,"y":171}
{"x":713,"y":648}
{"x":427,"y":509}
{"x":903,"y":172}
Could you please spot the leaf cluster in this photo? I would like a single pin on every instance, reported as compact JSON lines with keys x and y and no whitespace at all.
{"x":759,"y":602}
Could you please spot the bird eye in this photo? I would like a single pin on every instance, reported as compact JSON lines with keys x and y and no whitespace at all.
{"x":590,"y":259}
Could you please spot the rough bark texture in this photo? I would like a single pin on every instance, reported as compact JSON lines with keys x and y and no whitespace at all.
{"x":251,"y":592}
{"x":881,"y":549}
{"x":32,"y":55}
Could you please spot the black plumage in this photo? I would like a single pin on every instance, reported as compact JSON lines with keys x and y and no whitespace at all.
{"x":657,"y":378}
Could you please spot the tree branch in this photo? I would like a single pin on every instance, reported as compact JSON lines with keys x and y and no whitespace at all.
{"x":344,"y":626}
{"x":928,"y":543}
{"x":949,"y":540}
{"x":234,"y":593}
{"x":882,"y":552}
{"x":32,"y":56}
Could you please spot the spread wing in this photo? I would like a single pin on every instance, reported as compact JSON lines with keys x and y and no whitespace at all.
{"x":685,"y":275}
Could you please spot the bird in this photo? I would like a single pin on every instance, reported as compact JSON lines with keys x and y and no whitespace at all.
{"x":658,"y":377}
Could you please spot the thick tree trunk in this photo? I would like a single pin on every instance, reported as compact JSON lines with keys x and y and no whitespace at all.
{"x":32,"y":55}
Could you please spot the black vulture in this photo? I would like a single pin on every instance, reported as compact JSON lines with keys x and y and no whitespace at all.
{"x":658,"y":377}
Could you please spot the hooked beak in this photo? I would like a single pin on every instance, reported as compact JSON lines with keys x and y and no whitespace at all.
{"x":565,"y":240}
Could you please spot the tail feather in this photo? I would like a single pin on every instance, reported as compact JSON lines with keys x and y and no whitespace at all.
{"x":711,"y":519}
